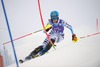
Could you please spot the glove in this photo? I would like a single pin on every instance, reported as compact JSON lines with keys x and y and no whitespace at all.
{"x":48,"y":27}
{"x":74,"y":38}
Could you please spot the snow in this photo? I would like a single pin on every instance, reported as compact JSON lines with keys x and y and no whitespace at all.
{"x":78,"y":54}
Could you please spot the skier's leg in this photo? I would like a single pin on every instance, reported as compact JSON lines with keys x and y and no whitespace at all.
{"x":34,"y":52}
{"x":54,"y":38}
{"x":57,"y":37}
{"x":41,"y":49}
{"x":47,"y":47}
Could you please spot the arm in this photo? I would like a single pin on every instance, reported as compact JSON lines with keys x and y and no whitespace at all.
{"x":68,"y":26}
{"x":48,"y":26}
{"x":74,"y":38}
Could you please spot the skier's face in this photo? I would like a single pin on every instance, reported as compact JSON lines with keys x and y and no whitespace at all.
{"x":55,"y":20}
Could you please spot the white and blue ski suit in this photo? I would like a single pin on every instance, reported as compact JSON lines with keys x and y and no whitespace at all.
{"x":56,"y":35}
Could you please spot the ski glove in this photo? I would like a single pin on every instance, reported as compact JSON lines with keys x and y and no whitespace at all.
{"x":74,"y":38}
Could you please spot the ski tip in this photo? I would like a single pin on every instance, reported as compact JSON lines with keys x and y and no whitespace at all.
{"x":21,"y":61}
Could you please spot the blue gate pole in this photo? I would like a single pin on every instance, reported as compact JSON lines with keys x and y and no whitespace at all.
{"x":10,"y":33}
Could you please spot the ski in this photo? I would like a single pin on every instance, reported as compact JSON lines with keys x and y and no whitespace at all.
{"x":28,"y":58}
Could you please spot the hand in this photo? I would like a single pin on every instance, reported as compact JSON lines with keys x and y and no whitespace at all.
{"x":74,"y":38}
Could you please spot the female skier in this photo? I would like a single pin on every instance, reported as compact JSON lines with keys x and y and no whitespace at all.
{"x":56,"y":27}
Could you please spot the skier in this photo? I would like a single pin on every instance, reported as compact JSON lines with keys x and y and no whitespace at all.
{"x":56,"y":35}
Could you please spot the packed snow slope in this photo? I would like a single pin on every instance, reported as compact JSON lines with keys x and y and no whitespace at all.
{"x":84,"y":53}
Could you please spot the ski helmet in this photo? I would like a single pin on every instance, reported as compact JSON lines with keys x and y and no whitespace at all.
{"x":54,"y":15}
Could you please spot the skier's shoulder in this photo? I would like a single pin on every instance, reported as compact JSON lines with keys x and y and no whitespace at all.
{"x":61,"y":20}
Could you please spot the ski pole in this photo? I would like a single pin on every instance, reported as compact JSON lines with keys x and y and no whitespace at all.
{"x":47,"y":26}
{"x":22,"y":36}
{"x":97,"y":33}
{"x":89,"y":35}
{"x":37,"y":31}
